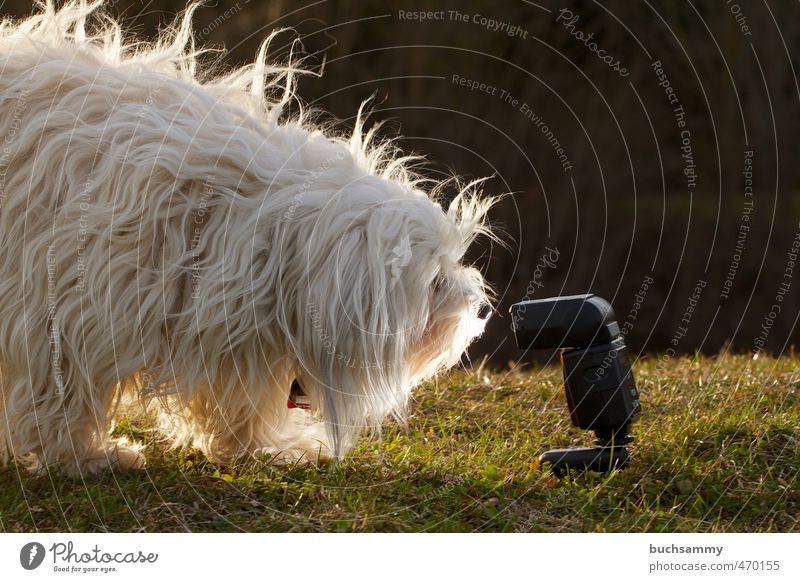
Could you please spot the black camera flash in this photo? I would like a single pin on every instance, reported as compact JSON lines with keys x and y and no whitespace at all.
{"x":598,"y":379}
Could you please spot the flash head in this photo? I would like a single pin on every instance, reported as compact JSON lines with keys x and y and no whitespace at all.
{"x":563,"y":322}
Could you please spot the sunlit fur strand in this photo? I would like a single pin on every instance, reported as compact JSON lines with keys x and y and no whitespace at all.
{"x":174,"y":236}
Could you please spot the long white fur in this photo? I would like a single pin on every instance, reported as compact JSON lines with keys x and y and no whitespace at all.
{"x":173,"y":236}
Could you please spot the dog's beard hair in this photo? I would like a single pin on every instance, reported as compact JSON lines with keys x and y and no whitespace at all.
{"x":178,"y":242}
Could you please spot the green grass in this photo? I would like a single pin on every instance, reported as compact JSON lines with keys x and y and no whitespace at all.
{"x":717,"y":449}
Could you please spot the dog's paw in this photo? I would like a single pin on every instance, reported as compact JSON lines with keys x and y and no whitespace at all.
{"x":300,"y":456}
{"x":128,"y":455}
{"x":302,"y":442}
{"x":307,"y":446}
{"x":122,"y":455}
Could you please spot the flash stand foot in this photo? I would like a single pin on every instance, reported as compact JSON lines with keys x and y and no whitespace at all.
{"x":600,"y":459}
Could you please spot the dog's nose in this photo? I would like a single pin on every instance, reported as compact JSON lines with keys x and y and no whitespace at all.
{"x":484,"y":311}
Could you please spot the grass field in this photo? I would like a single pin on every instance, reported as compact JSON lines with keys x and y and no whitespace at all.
{"x":718,"y":449}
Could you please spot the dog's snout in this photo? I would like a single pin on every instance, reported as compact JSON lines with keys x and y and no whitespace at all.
{"x":484,"y":311}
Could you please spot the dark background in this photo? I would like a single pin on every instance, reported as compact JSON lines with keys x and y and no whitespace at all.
{"x":624,"y":212}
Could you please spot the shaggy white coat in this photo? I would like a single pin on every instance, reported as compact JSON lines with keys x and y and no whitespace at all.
{"x":172,"y":238}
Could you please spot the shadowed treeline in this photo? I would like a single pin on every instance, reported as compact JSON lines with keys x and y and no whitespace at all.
{"x":649,"y":147}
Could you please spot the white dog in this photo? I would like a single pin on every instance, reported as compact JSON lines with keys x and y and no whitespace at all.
{"x":171,"y":238}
